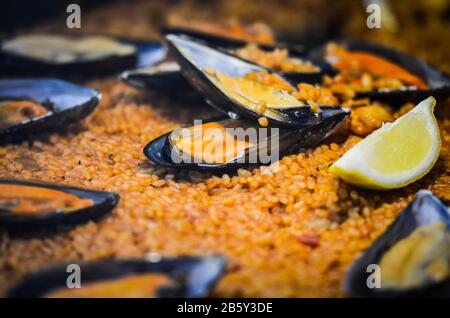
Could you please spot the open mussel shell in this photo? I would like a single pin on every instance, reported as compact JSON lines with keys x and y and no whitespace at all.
{"x":164,"y":80}
{"x":161,"y":150}
{"x":66,"y":103}
{"x":228,"y":42}
{"x":274,"y":144}
{"x":61,"y":62}
{"x":332,"y":118}
{"x":148,"y":52}
{"x":425,"y":209}
{"x":192,"y":277}
{"x":164,"y":76}
{"x":195,"y":59}
{"x":101,"y":204}
{"x":438,"y":83}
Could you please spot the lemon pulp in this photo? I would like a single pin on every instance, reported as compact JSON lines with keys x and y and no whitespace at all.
{"x":396,"y":154}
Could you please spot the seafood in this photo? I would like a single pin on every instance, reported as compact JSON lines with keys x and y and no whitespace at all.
{"x":412,"y":254}
{"x":368,"y":118}
{"x":137,"y":286}
{"x":380,"y":73}
{"x":290,"y":233}
{"x":68,"y":56}
{"x":163,"y":76}
{"x":227,"y":144}
{"x":210,"y":143}
{"x":221,"y":78}
{"x":30,"y":205}
{"x":31,"y":200}
{"x":231,"y":31}
{"x":420,"y":258}
{"x":357,"y":66}
{"x":166,"y":75}
{"x":43,"y":104}
{"x":164,"y":80}
{"x":17,"y":112}
{"x":253,"y":95}
{"x":58,"y":49}
{"x":183,"y":276}
{"x":218,"y":145}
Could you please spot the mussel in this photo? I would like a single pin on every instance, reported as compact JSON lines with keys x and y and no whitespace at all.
{"x":164,"y":80}
{"x":26,"y":205}
{"x":166,"y":76}
{"x":185,"y":276}
{"x":384,"y":73}
{"x":227,"y":144}
{"x":67,"y":55}
{"x":13,"y":112}
{"x":297,"y":52}
{"x":230,"y":42}
{"x":221,"y":78}
{"x":411,"y":259}
{"x":37,"y":105}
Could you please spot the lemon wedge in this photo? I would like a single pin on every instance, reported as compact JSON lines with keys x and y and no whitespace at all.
{"x":396,"y":154}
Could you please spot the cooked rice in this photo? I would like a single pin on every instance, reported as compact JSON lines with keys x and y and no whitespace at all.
{"x":261,"y":219}
{"x":276,"y":60}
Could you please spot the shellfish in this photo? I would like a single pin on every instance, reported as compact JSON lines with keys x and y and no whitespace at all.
{"x":401,"y":78}
{"x":413,"y":241}
{"x":185,"y":276}
{"x":37,"y":105}
{"x":227,"y":144}
{"x":26,"y":205}
{"x":220,"y":78}
{"x":67,"y":55}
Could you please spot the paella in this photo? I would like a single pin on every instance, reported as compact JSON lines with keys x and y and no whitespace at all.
{"x":152,"y":187}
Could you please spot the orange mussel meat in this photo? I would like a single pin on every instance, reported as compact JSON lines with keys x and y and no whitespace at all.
{"x":29,"y":200}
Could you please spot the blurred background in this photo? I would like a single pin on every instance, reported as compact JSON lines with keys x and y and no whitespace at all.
{"x":421,"y":27}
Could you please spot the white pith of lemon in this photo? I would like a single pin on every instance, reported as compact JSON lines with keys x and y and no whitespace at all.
{"x":396,"y":154}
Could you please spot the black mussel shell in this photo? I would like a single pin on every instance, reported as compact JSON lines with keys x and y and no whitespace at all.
{"x":438,"y":82}
{"x":423,"y":210}
{"x":164,"y":76}
{"x":332,"y":118}
{"x":159,"y":150}
{"x":164,"y":155}
{"x":103,"y":203}
{"x":165,"y":80}
{"x":66,"y":102}
{"x":146,"y":53}
{"x":190,"y":54}
{"x":228,"y":42}
{"x":231,"y":44}
{"x":194,"y":277}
